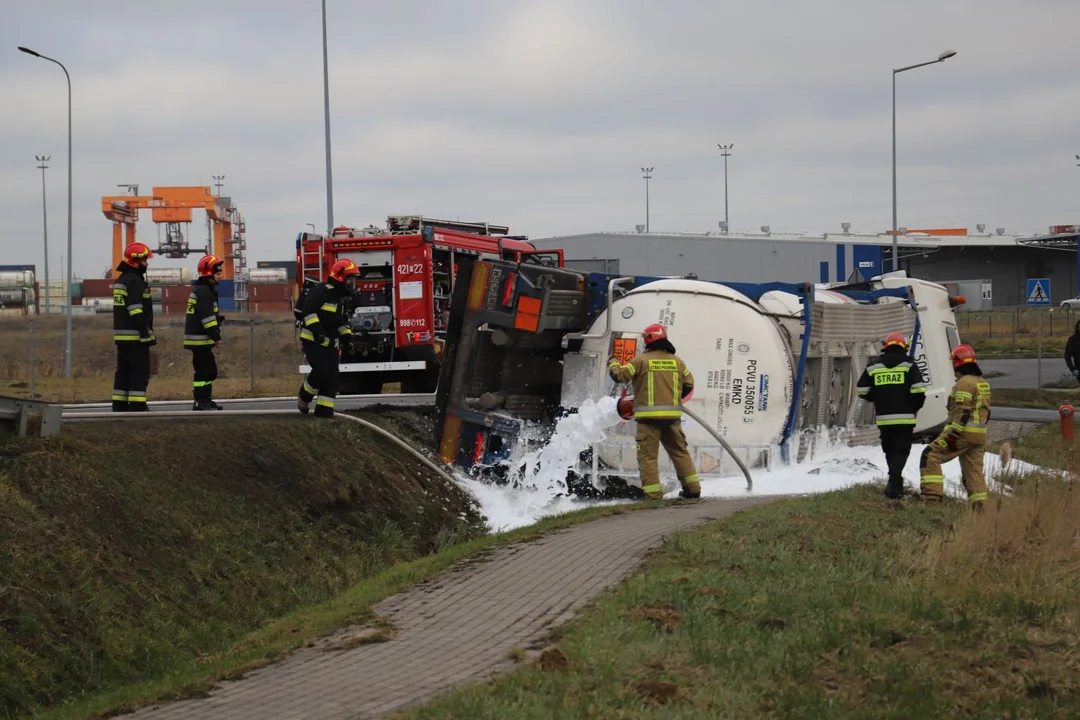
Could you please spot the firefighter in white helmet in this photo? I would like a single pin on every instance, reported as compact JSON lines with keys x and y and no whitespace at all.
{"x":661,"y":381}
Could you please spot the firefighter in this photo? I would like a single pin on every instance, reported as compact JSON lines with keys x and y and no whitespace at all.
{"x":133,"y":330}
{"x":660,"y":381}
{"x":895,"y":386}
{"x":1072,"y":352}
{"x":202,"y":332}
{"x":324,"y":327}
{"x":964,"y":435}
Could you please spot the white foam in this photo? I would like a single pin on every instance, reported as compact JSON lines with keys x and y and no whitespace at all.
{"x":831,"y":467}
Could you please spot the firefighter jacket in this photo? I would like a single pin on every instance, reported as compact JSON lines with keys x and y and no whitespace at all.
{"x":1072,"y":349}
{"x":133,"y":310}
{"x":894,"y":384}
{"x":660,"y":380}
{"x":202,"y":323}
{"x":324,"y":320}
{"x":969,"y":408}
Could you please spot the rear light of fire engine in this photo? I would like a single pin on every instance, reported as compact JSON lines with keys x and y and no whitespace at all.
{"x":508,"y":291}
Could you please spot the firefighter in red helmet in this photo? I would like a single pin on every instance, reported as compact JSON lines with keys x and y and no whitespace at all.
{"x":661,"y":381}
{"x":202,"y":332}
{"x":964,"y":436}
{"x":895,"y":386}
{"x":324,"y":327}
{"x":133,"y":330}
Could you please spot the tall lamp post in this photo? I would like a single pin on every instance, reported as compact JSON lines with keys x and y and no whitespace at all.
{"x":647,"y":176}
{"x":725,"y":150}
{"x":326,"y":129}
{"x":70,"y":262}
{"x":941,"y":58}
{"x":45,"y":229}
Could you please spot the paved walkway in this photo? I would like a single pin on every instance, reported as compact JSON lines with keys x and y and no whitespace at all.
{"x":458,"y":628}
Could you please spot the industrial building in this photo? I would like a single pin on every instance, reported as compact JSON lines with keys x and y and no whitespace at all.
{"x":1003,"y":262}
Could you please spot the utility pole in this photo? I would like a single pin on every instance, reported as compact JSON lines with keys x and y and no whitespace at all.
{"x":647,"y":176}
{"x":725,"y":150}
{"x":326,"y":121}
{"x":45,"y":229}
{"x":218,"y":183}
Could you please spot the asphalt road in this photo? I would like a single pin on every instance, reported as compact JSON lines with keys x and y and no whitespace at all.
{"x":1023,"y":372}
{"x":345,"y":402}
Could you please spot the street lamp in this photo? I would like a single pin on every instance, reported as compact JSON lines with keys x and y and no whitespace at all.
{"x":646,"y":175}
{"x":70,"y":263}
{"x":45,"y":229}
{"x":326,"y":131}
{"x":725,"y":150}
{"x":941,"y":58}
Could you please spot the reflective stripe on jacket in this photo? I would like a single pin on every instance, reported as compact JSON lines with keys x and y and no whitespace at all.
{"x":658,"y":379}
{"x":202,"y":323}
{"x":133,"y":310}
{"x":969,"y":408}
{"x":894,"y":384}
{"x":324,"y":315}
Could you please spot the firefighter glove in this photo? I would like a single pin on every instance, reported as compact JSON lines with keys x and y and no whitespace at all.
{"x":221,"y":319}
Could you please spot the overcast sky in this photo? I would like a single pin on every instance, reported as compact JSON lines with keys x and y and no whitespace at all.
{"x":540,"y":114}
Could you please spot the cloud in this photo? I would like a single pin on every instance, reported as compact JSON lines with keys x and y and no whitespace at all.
{"x":540,"y":114}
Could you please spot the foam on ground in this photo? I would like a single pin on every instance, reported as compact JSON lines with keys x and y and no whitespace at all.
{"x":833,"y":466}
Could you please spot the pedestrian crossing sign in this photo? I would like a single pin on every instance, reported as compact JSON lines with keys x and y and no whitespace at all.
{"x":1038,"y":291}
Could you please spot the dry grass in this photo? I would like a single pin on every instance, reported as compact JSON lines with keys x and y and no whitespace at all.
{"x":273,"y":369}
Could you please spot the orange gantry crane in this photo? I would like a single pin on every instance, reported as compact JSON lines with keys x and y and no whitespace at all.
{"x":172,"y":206}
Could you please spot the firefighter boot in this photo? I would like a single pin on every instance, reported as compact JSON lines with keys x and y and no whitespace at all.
{"x":894,"y":490}
{"x":204,"y":404}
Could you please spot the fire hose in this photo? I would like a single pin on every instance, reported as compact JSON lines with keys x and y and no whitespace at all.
{"x":625,"y":407}
{"x":142,"y":416}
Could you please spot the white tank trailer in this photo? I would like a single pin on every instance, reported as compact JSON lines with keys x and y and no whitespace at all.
{"x":768,"y":379}
{"x":745,"y":356}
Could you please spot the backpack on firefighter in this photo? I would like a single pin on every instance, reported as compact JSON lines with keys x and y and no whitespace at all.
{"x":298,"y":313}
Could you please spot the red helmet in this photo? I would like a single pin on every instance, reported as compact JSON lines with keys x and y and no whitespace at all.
{"x":895,"y":338}
{"x":655,"y":332}
{"x":210,"y":264}
{"x":137,"y":254}
{"x":625,"y":407}
{"x":343,"y":269}
{"x":962,"y":355}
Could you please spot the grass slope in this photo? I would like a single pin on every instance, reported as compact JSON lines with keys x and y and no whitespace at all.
{"x":837,"y":605}
{"x":128,"y":551}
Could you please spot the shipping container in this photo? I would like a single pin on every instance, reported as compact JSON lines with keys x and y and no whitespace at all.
{"x":168,"y":276}
{"x":16,"y":278}
{"x":262,"y":276}
{"x":271,"y":306}
{"x":100,"y":304}
{"x":97,"y":288}
{"x":275,"y":292}
{"x":226,"y":304}
{"x":17,"y":268}
{"x":12,"y":312}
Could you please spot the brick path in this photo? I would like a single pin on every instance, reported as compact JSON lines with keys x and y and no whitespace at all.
{"x":456,"y":629}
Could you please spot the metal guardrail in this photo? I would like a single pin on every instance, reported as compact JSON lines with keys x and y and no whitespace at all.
{"x":16,"y":413}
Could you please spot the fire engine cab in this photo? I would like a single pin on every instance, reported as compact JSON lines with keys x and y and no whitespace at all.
{"x":400,"y":312}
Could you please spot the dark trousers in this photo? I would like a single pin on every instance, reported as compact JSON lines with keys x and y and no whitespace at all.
{"x":204,"y":365}
{"x":896,"y":444}
{"x":323,"y":378}
{"x":132,"y":377}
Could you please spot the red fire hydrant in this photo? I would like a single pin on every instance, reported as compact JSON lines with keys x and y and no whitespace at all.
{"x":1066,"y":411}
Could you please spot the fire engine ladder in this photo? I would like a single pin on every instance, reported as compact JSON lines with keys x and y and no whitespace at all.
{"x":311,"y":261}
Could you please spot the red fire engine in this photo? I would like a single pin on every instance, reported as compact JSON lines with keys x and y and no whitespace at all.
{"x":407,"y":277}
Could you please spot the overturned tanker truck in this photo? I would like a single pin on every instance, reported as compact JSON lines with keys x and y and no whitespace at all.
{"x":775,"y":364}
